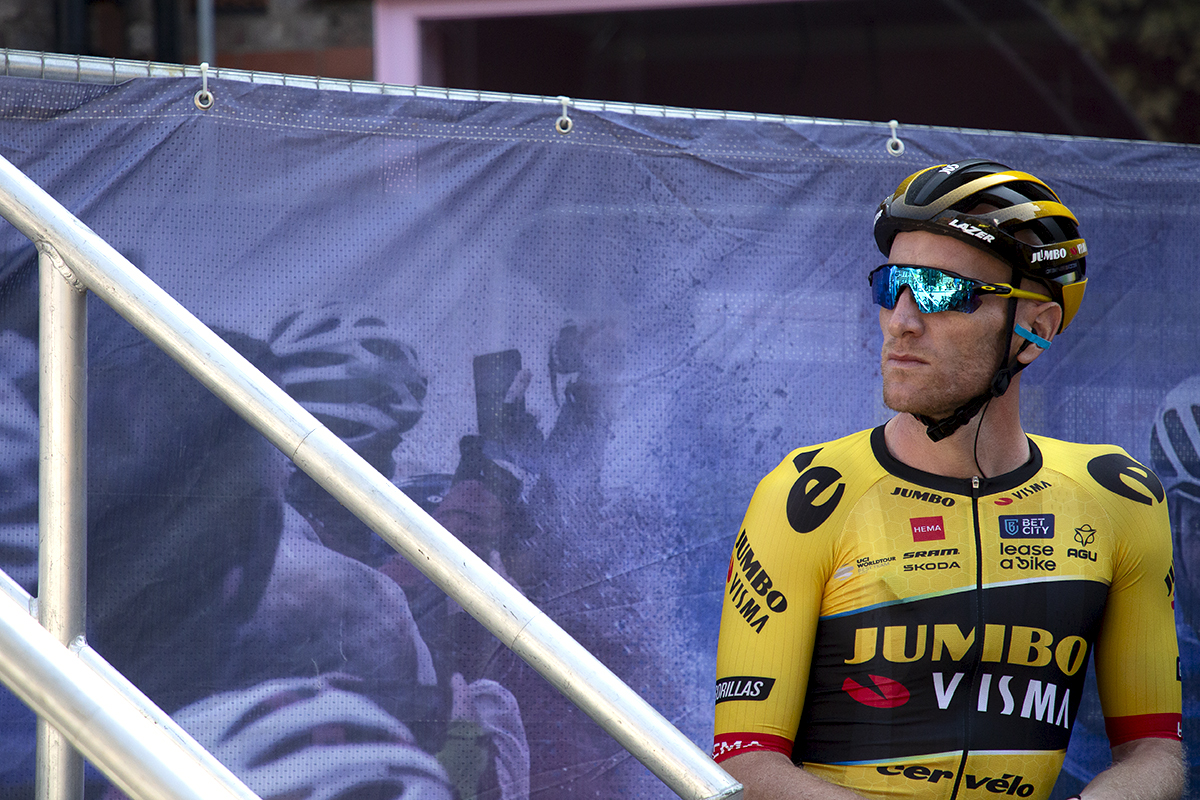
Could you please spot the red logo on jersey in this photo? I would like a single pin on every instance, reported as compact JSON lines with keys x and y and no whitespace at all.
{"x":928,"y":529}
{"x":886,"y":694}
{"x":1003,"y":501}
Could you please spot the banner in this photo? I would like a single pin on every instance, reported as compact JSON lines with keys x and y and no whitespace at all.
{"x":579,"y":352}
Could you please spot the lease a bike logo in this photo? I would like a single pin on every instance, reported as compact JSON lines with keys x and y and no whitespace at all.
{"x":883,"y":692}
{"x":1027,"y":526}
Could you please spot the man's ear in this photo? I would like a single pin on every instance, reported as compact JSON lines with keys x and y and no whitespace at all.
{"x":1043,"y":319}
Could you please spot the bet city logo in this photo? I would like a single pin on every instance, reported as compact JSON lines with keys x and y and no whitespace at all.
{"x":1024,"y":528}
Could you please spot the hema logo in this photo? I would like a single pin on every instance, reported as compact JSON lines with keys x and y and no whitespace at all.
{"x":928,"y":529}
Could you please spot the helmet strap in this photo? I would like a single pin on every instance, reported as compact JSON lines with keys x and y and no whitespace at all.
{"x":1007,"y":370}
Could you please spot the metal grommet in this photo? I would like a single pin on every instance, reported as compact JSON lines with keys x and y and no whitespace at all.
{"x":563,"y":124}
{"x":895,"y":147}
{"x":204,"y":99}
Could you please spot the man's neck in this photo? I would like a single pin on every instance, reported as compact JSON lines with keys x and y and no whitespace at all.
{"x":1002,"y":446}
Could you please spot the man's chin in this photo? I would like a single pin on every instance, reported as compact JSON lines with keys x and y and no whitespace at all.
{"x":903,"y":404}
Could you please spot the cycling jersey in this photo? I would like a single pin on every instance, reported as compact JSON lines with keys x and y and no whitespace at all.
{"x":906,"y":634}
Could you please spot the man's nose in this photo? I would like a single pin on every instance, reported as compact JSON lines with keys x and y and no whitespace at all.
{"x":905,"y":315}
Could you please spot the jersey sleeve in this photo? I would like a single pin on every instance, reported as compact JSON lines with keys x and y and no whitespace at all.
{"x":1137,"y":654}
{"x":773,"y":594}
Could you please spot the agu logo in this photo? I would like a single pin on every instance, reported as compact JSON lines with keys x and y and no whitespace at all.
{"x":1027,"y":526}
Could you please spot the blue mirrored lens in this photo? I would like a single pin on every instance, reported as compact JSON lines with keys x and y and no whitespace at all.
{"x":932,"y":289}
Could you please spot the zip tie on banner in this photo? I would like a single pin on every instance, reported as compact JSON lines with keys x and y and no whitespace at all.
{"x":204,"y":98}
{"x":563,"y":124}
{"x":895,"y":147}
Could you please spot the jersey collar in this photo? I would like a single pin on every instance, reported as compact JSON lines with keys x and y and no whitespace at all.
{"x":961,"y":486}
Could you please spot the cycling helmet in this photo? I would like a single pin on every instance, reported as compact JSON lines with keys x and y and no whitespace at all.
{"x":939,"y":198}
{"x":352,"y":371}
{"x":314,"y":739}
{"x":1175,"y":440}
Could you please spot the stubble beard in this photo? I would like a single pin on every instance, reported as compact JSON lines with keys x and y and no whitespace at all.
{"x":942,"y":395}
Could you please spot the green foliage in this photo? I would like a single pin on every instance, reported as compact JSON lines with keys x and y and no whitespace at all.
{"x":1150,"y":49}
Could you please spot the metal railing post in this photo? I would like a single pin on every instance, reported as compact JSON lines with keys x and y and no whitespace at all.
{"x":145,"y":758}
{"x":62,"y":494}
{"x":458,"y":571}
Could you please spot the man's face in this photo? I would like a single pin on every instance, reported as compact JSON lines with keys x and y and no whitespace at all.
{"x":933,"y":363}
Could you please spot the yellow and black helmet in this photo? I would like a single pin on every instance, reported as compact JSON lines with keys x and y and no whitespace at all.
{"x":939,"y":198}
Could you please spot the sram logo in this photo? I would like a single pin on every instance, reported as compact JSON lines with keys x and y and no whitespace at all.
{"x":946,"y":551}
{"x":931,"y":565}
{"x":971,"y":230}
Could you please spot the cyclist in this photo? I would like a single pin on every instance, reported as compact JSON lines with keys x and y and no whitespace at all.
{"x":355,"y":373}
{"x":1175,"y":455}
{"x":909,"y":610}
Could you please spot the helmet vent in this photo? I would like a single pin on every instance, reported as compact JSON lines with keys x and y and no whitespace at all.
{"x":1181,"y":442}
{"x":1158,"y":457}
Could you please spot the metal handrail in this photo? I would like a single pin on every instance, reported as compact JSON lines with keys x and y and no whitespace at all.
{"x":453,"y":567}
{"x":106,"y":717}
{"x":98,"y":70}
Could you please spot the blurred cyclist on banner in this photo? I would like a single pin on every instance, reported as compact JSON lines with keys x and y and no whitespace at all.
{"x":1175,"y":454}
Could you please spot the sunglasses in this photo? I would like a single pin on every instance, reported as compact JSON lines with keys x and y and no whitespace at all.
{"x":936,"y":289}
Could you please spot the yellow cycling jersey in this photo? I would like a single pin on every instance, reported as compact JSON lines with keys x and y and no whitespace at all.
{"x":910,"y":635}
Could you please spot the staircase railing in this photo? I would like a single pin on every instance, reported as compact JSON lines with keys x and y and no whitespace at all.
{"x":145,"y":757}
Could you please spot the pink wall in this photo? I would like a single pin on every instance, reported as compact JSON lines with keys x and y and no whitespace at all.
{"x":398,"y":23}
